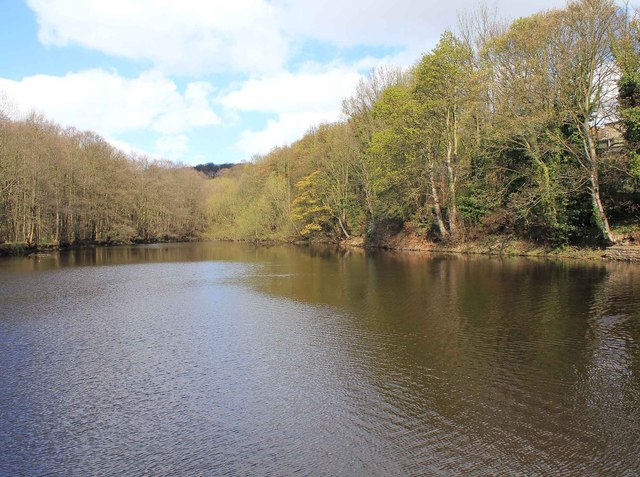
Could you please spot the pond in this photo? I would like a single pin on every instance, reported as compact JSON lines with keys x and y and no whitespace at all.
{"x":231,"y":359}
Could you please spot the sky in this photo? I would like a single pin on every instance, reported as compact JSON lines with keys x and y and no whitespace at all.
{"x":198,"y":81}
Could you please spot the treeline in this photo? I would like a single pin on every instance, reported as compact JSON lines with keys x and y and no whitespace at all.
{"x":61,"y":186}
{"x":212,"y":170}
{"x":530,"y":130}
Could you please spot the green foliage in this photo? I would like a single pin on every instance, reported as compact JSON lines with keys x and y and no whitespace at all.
{"x":635,"y":165}
{"x":245,"y":205}
{"x":495,"y":131}
{"x":631,"y":117}
{"x":441,"y":76}
{"x":308,"y":207}
{"x":629,"y":98}
{"x":475,"y":205}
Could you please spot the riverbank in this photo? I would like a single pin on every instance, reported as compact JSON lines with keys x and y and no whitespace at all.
{"x":494,"y":246}
{"x":8,"y":249}
{"x":491,"y":246}
{"x":498,"y":246}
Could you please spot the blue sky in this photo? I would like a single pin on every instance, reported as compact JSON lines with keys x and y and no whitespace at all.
{"x":209,"y":80}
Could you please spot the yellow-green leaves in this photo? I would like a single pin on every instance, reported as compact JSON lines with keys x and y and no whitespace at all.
{"x":308,"y":208}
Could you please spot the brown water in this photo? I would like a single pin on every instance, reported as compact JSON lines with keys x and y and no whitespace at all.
{"x":227,"y":359}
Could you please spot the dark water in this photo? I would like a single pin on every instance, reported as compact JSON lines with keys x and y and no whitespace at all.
{"x":221,"y":359}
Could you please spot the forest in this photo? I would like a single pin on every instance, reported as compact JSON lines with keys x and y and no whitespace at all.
{"x":528,"y":129}
{"x":63,"y":187}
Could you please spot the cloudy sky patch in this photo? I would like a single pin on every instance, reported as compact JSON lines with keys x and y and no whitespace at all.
{"x":209,"y":80}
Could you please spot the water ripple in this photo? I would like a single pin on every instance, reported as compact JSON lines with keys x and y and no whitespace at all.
{"x":230,"y":360}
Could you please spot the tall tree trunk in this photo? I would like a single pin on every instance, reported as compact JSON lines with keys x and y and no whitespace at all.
{"x":368,"y":196}
{"x":598,"y":207}
{"x":444,"y":233}
{"x":594,"y":183}
{"x":341,"y":223}
{"x":544,"y":180}
{"x":56,"y":238}
{"x":451,"y":158}
{"x":452,"y":207}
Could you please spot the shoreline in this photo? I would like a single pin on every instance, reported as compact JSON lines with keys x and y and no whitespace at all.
{"x":500,"y":247}
{"x":22,"y":249}
{"x":497,"y":247}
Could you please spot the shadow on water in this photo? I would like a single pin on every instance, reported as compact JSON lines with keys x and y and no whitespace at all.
{"x":507,"y":357}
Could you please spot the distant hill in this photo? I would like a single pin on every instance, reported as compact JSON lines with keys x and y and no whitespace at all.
{"x":212,"y":170}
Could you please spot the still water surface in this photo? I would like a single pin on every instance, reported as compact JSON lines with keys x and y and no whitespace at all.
{"x":227,"y":359}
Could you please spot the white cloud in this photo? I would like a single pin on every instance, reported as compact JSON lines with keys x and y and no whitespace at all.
{"x":185,"y":37}
{"x":254,"y":36}
{"x":312,"y":89}
{"x":109,"y":104}
{"x":130,"y":149}
{"x":166,"y":147}
{"x":300,"y":100}
{"x":313,"y":94}
{"x":172,"y":147}
{"x":187,"y":111}
{"x":369,"y":22}
{"x":288,"y":128}
{"x":257,"y":38}
{"x":416,"y":24}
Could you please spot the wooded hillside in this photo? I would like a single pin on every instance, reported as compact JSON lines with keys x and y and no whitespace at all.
{"x":529,"y":129}
{"x":61,"y":186}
